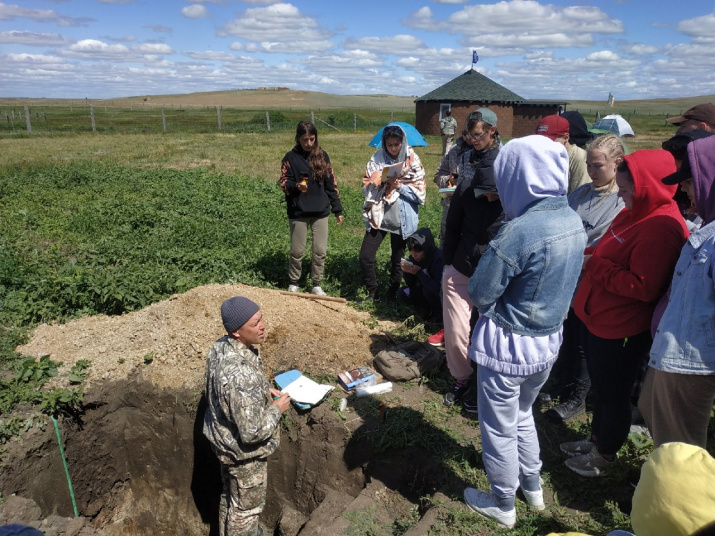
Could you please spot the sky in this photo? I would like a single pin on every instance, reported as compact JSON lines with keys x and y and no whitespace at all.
{"x":563,"y":50}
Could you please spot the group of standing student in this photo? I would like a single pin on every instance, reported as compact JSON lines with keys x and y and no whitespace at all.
{"x":624,"y":272}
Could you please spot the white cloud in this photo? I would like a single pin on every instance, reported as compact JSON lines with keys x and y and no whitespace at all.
{"x":208,"y":55}
{"x":194,"y":11}
{"x":33,"y":39}
{"x":519,"y":24}
{"x":639,"y":49}
{"x":511,"y":43}
{"x":96,"y":50}
{"x":533,"y":17}
{"x":699,"y":28}
{"x":117,"y":1}
{"x":423,"y":19}
{"x":279,"y":28}
{"x":13,"y":11}
{"x":153,"y":48}
{"x":400,"y":45}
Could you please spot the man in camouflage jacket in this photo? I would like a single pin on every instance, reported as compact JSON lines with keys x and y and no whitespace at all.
{"x":242,"y":418}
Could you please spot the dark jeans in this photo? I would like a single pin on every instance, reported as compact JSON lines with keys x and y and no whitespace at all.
{"x":370,"y":244}
{"x":570,"y":366}
{"x":614,"y":366}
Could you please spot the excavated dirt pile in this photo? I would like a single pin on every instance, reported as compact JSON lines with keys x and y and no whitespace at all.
{"x":137,"y":458}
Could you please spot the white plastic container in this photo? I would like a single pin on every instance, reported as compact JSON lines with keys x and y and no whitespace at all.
{"x":377,"y":389}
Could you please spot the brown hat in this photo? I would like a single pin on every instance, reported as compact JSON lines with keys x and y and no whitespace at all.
{"x":702,"y":112}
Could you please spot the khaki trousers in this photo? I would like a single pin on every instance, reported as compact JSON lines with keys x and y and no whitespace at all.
{"x":298,"y":239}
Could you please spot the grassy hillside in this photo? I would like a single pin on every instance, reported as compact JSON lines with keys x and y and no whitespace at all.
{"x":290,"y":99}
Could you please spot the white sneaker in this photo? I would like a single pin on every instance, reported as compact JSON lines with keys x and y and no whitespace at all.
{"x":292,"y":288}
{"x":318,"y":291}
{"x":535,"y":499}
{"x":486,"y":504}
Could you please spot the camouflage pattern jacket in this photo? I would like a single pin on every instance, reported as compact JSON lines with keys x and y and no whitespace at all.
{"x":241,"y":421}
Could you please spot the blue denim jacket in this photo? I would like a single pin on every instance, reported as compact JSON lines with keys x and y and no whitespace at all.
{"x":684,"y":342}
{"x":525,"y":280}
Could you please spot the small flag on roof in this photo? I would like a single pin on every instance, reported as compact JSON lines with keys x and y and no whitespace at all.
{"x":475,"y":56}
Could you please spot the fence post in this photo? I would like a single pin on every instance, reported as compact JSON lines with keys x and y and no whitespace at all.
{"x":163,"y":119}
{"x":268,"y":122}
{"x":354,"y":121}
{"x":312,"y":116}
{"x":27,"y":120}
{"x":91,"y":115}
{"x":392,"y":117}
{"x":218,"y":113}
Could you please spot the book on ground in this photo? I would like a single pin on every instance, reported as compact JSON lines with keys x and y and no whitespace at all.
{"x":350,"y":379}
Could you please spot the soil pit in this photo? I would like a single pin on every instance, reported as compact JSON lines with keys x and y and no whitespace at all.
{"x":137,"y":457}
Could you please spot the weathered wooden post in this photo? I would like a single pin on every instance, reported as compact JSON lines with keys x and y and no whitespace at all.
{"x":268,"y":122}
{"x":392,"y":116}
{"x":312,"y":117}
{"x":27,"y":120}
{"x":163,"y":119}
{"x":354,"y":121}
{"x":218,"y":114}
{"x":91,"y":115}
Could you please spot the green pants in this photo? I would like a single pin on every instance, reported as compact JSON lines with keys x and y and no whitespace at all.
{"x":298,"y":238}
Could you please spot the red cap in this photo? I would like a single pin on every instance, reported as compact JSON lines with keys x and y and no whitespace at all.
{"x":553,"y":126}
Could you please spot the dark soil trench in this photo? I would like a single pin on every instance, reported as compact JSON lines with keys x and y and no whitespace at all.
{"x":140,"y":465}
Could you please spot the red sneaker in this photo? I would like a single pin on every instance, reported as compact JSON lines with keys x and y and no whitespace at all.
{"x":437,"y":339}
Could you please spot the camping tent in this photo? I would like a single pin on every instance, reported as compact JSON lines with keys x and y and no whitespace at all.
{"x":613,"y":123}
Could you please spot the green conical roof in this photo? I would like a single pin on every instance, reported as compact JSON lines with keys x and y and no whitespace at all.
{"x":472,"y":86}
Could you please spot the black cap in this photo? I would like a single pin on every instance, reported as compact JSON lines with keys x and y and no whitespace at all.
{"x":678,"y":147}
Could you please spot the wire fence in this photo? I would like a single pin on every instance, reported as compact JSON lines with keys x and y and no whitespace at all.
{"x":54,"y":120}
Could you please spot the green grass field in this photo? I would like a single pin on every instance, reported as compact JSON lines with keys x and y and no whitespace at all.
{"x":108,"y":223}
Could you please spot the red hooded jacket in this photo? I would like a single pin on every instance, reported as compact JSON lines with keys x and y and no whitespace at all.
{"x":633,"y":263}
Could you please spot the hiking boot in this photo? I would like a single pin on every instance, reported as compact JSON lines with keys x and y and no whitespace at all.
{"x":591,"y":464}
{"x":318,"y":291}
{"x":437,"y":339}
{"x":574,"y":405}
{"x":456,"y":393}
{"x":535,"y":499}
{"x":577,"y":448}
{"x":486,"y":504}
{"x":293,"y":288}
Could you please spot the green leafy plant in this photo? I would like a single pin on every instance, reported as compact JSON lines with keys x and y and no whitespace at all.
{"x":78,"y":372}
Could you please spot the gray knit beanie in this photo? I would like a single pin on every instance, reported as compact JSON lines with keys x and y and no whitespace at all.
{"x":236,"y":311}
